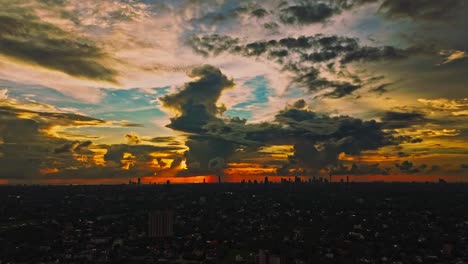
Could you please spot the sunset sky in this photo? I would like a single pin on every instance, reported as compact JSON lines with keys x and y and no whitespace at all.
{"x":111,"y":90}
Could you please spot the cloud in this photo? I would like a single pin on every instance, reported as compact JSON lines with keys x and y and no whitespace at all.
{"x":132,"y":138}
{"x":32,"y":151}
{"x":432,"y":10}
{"x":306,"y":13}
{"x":300,"y":104}
{"x":381,"y":89}
{"x":28,"y":147}
{"x":342,"y":90}
{"x":3,"y":94}
{"x":445,"y":104}
{"x":407,"y":167}
{"x":321,"y":139}
{"x":375,"y":54}
{"x":73,"y":146}
{"x":259,"y":13}
{"x":196,"y":107}
{"x":195,"y":103}
{"x":460,"y":113}
{"x":162,"y":139}
{"x":360,"y":169}
{"x":453,"y":55}
{"x":26,"y":38}
{"x":116,"y":152}
{"x":204,"y":149}
{"x":317,"y":138}
{"x":308,"y":58}
{"x":392,"y":119}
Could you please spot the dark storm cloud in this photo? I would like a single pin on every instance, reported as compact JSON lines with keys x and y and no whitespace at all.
{"x":360,"y":169}
{"x":212,"y":44}
{"x":306,"y":13}
{"x":259,"y":13}
{"x":204,"y":149}
{"x":196,"y":101}
{"x":429,"y":10}
{"x":307,"y":57}
{"x":116,"y":152}
{"x":381,"y":89}
{"x":393,"y":119}
{"x":29,"y":152}
{"x":342,"y":90}
{"x":300,"y":104}
{"x":409,"y":168}
{"x":73,"y":146}
{"x":375,"y":54}
{"x":318,"y":139}
{"x":171,"y":141}
{"x":27,"y":147}
{"x":196,"y":107}
{"x":421,"y":9}
{"x":161,"y":139}
{"x":24,"y":37}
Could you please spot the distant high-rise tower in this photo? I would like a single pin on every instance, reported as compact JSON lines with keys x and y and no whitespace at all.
{"x":161,"y":224}
{"x":264,"y":257}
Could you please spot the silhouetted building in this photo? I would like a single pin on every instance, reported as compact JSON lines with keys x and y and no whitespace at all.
{"x":161,"y":224}
{"x":264,"y":257}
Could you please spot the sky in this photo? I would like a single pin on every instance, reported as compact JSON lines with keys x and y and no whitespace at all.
{"x":112,"y":90}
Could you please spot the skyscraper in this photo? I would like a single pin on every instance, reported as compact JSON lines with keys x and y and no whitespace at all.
{"x":161,"y":224}
{"x":264,"y":257}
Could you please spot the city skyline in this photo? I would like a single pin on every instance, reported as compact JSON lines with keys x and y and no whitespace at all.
{"x":106,"y":91}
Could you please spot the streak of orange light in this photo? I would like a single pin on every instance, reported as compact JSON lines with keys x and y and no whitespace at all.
{"x":48,"y":171}
{"x":179,"y":180}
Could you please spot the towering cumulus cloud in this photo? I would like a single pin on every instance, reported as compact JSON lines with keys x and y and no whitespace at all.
{"x":196,"y":107}
{"x":318,"y":139}
{"x":196,"y":101}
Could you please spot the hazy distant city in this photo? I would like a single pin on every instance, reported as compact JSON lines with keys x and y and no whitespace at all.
{"x":261,"y":222}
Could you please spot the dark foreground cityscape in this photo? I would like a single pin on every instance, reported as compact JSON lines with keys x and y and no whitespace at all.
{"x":235,"y":223}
